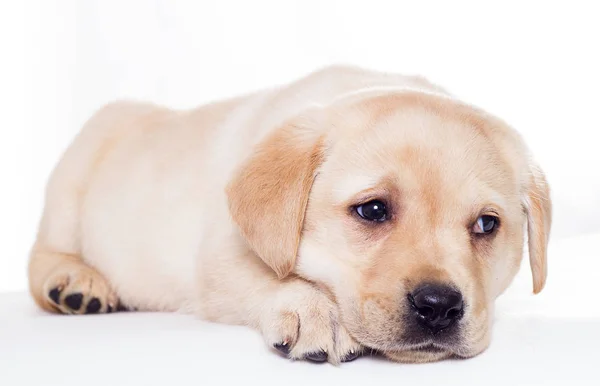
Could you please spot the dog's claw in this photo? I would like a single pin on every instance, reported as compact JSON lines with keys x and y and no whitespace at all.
{"x":317,"y":356}
{"x":352,"y":355}
{"x":283,"y":348}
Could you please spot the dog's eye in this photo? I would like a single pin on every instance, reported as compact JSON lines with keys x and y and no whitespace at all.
{"x":373,"y":211}
{"x":485,"y":224}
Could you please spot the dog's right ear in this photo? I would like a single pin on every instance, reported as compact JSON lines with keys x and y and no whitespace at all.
{"x":268,"y":195}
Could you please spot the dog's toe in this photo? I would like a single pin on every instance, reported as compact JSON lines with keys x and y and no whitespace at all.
{"x":73,"y":301}
{"x":93,"y":306}
{"x":54,"y":295}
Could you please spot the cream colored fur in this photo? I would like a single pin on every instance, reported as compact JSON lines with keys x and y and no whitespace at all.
{"x":230,"y":211}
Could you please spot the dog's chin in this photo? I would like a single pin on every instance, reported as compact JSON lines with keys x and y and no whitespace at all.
{"x":430,"y":353}
{"x":419,"y":355}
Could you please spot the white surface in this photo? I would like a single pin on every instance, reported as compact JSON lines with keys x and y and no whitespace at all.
{"x":549,"y":339}
{"x":533,"y":63}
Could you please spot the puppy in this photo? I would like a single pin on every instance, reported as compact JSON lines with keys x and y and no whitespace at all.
{"x":345,"y":211}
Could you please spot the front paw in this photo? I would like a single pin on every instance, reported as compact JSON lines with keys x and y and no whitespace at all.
{"x":302,"y":323}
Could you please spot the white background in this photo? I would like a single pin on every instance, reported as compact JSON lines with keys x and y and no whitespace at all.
{"x":535,"y":64}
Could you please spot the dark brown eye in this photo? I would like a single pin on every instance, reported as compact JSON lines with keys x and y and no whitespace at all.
{"x":485,"y":224}
{"x":372,"y":211}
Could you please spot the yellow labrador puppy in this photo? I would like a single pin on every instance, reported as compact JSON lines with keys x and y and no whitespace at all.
{"x":345,"y":211}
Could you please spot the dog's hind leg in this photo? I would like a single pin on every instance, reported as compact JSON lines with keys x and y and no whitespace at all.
{"x":59,"y":278}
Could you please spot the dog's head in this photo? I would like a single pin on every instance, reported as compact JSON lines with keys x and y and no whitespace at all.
{"x":408,"y":209}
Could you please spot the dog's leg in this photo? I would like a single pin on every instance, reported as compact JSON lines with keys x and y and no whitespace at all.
{"x":59,"y":278}
{"x":294,"y":316}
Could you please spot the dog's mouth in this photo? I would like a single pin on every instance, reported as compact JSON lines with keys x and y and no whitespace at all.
{"x":415,"y":350}
{"x":430,"y":349}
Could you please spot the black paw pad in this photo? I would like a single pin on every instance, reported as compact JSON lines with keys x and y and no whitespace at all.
{"x":93,"y":306}
{"x":54,"y":294}
{"x":352,"y":355}
{"x":283,"y":348}
{"x":73,"y":301}
{"x":317,"y":356}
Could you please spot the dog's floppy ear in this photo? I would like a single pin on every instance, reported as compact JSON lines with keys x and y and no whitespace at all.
{"x":538,"y":206}
{"x":269,"y":194}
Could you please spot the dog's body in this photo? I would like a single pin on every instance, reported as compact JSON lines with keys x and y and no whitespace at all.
{"x":215,"y":211}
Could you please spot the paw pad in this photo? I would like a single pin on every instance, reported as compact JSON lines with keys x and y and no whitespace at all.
{"x":54,"y":294}
{"x":93,"y":306}
{"x":78,"y":289}
{"x":73,"y":301}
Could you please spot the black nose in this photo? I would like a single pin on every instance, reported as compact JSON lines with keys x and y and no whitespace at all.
{"x":436,"y":306}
